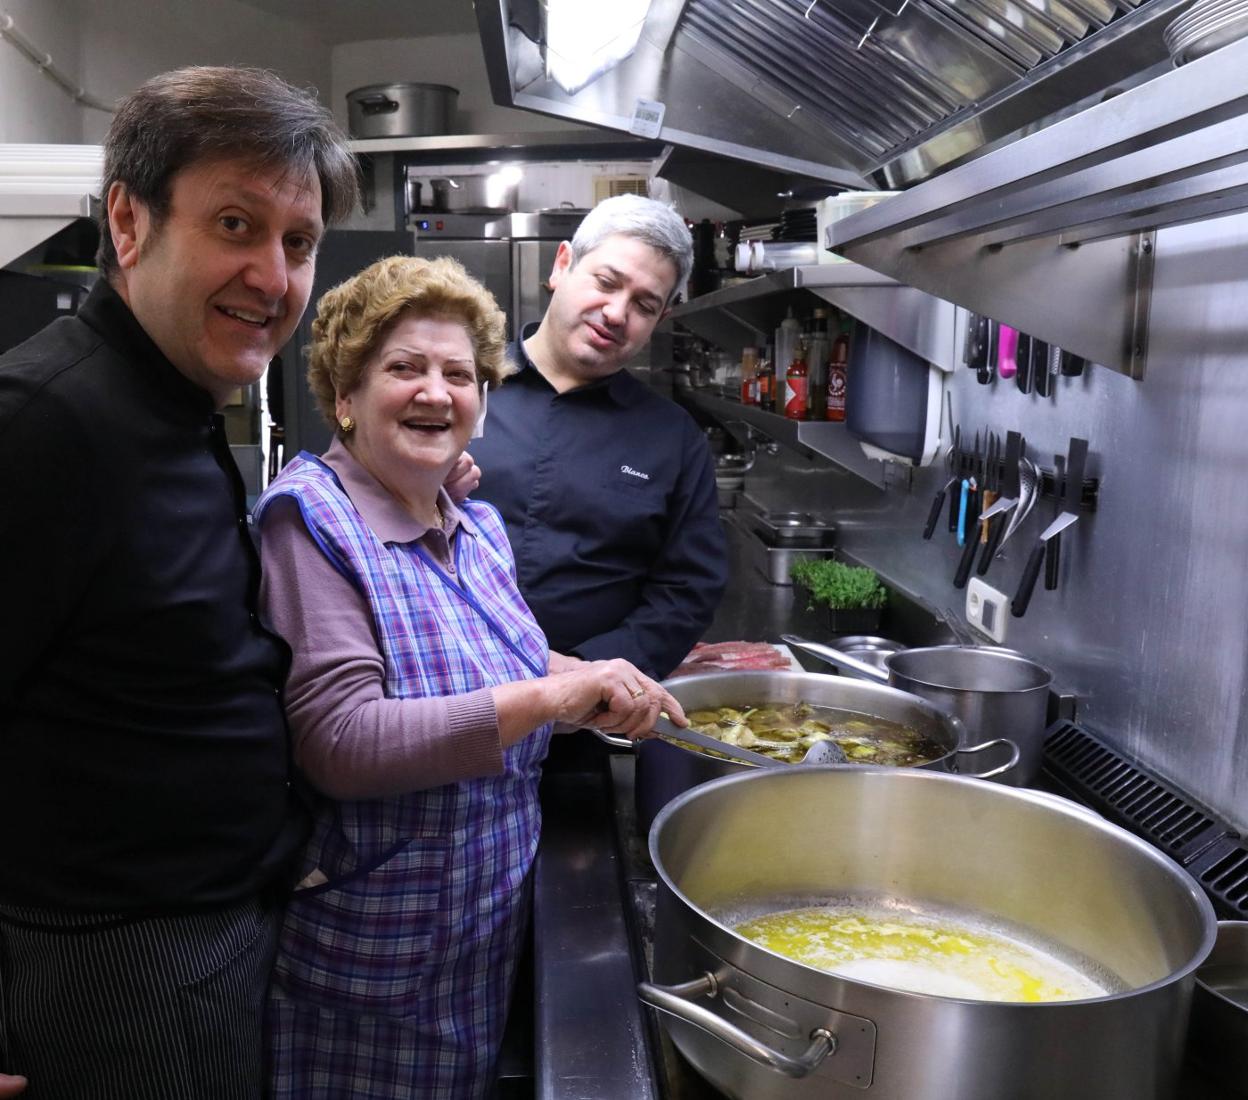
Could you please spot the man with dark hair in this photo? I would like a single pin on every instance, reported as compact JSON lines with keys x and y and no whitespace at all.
{"x":148,"y":816}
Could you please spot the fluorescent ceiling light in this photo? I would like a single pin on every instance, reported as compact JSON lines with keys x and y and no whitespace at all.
{"x":585,"y":38}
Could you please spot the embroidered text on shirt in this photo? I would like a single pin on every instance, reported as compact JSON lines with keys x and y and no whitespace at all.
{"x":634,"y":473}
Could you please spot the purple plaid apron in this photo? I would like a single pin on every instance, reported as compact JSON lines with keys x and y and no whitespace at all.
{"x":393,"y":978}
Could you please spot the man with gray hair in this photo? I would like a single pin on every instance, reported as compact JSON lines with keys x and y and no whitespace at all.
{"x":607,"y":488}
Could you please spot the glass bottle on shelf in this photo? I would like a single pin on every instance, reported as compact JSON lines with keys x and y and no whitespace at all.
{"x":818,"y":349}
{"x":838,"y":372}
{"x":787,"y":336}
{"x":767,"y":381}
{"x":749,"y":376}
{"x":795,"y":385}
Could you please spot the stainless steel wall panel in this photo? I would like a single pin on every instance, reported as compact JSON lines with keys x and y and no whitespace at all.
{"x":1149,"y":626}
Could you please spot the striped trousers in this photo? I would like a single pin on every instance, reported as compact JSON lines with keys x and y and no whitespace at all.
{"x":103,"y":1007}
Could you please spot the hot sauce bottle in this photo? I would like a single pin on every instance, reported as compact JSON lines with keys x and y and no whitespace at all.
{"x":795,"y":400}
{"x":838,"y":370}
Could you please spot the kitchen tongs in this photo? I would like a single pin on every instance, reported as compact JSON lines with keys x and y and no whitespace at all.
{"x":821,"y":752}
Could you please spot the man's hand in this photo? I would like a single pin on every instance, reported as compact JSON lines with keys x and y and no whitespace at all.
{"x":11,"y":1086}
{"x":464,"y":477}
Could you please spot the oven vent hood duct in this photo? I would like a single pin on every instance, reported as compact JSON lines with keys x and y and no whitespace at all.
{"x":851,"y":93}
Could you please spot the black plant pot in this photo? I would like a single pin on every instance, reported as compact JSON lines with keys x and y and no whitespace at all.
{"x":857,"y":620}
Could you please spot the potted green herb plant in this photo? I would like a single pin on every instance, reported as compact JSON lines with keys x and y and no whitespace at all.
{"x":853,"y":596}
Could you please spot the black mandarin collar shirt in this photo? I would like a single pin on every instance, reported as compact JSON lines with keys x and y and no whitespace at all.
{"x":142,"y":739}
{"x":608,"y":493}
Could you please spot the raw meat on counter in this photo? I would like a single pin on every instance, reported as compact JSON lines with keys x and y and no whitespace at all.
{"x":731,"y":657}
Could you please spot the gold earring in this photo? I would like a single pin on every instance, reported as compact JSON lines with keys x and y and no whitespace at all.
{"x":347,"y":425}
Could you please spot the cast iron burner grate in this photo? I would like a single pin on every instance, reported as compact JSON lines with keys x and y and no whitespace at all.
{"x":1128,"y":795}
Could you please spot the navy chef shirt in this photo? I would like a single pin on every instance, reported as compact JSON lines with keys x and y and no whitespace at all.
{"x":608,"y":493}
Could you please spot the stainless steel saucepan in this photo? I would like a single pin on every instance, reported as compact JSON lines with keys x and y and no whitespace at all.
{"x":994,"y":692}
{"x":665,"y":770}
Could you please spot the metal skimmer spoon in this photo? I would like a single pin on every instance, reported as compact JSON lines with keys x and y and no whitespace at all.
{"x":821,"y":752}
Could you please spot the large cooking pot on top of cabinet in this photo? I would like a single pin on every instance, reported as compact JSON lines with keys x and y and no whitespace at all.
{"x":401,"y":110}
{"x":994,"y":692}
{"x":665,"y":770}
{"x":765,"y":1027}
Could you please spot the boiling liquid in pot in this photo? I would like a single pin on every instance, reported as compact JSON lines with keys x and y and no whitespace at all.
{"x":945,"y":955}
{"x":787,"y":730}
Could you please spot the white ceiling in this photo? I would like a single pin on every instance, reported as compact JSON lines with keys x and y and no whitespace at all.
{"x":336,"y":21}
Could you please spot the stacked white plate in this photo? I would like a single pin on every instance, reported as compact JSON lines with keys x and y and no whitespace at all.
{"x":1206,"y":26}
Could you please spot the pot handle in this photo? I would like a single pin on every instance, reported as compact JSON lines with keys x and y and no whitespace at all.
{"x":612,"y":740}
{"x":677,"y":1000}
{"x":1015,"y":753}
{"x":377,"y":104}
{"x":836,"y":657}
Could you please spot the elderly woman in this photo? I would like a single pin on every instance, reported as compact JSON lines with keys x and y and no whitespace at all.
{"x":421,"y":697}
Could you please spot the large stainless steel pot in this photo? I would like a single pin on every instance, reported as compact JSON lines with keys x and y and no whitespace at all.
{"x":401,"y":110}
{"x":665,"y":770}
{"x":760,"y":1026}
{"x":995,"y":692}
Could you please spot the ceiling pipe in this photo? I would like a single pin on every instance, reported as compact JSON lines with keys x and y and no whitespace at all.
{"x":42,"y":60}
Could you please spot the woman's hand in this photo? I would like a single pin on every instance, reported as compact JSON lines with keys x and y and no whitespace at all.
{"x":615,"y":697}
{"x":11,"y":1086}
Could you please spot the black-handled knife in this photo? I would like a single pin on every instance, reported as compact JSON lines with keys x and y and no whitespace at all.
{"x":1072,"y":495}
{"x":934,"y":515}
{"x":1023,"y":356}
{"x":1008,"y":489}
{"x":1075,"y":460}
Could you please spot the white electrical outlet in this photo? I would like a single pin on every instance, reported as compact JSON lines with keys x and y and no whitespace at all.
{"x":987,"y":610}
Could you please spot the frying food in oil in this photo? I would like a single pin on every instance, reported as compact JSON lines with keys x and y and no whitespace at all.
{"x":786,"y":731}
{"x":945,"y":957}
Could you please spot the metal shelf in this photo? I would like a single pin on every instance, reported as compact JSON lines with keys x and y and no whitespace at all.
{"x":1054,"y":233}
{"x":749,"y":312}
{"x":824,"y":437}
{"x":554,"y":144}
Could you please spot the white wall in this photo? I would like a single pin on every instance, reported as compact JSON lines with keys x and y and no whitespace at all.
{"x":126,"y":41}
{"x":32,"y":107}
{"x":454,"y":59}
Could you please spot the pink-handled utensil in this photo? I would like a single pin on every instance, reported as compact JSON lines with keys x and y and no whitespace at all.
{"x":1007,"y":352}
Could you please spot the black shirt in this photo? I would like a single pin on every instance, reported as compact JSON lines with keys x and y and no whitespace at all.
{"x":608,"y":492}
{"x":143,"y":750}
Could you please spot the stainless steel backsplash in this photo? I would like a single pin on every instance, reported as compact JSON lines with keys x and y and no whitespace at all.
{"x":1149,"y":627}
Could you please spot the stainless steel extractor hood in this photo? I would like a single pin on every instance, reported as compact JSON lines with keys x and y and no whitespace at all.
{"x":852,"y":93}
{"x":42,"y":189}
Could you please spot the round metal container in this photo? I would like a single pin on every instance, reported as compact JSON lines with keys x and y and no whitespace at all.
{"x":665,"y":770}
{"x":401,"y":110}
{"x":867,"y":647}
{"x":755,"y":1024}
{"x":994,"y":692}
{"x":1219,"y":1034}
